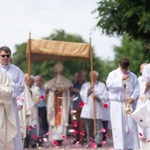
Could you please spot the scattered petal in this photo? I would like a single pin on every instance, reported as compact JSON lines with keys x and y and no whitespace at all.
{"x":63,"y":137}
{"x":71,"y":130}
{"x":77,"y":143}
{"x":105,"y":105}
{"x":42,"y":97}
{"x":93,"y":145}
{"x":91,"y":139}
{"x":140,"y":134}
{"x":82,"y":133}
{"x":80,"y":104}
{"x":75,"y":124}
{"x":55,"y":143}
{"x":34,"y":126}
{"x":29,"y":128}
{"x":47,"y":133}
{"x":103,"y":142}
{"x":75,"y":98}
{"x":34,"y":137}
{"x":107,"y":136}
{"x":103,"y":130}
{"x":76,"y":132}
{"x":45,"y":139}
{"x":72,"y":111}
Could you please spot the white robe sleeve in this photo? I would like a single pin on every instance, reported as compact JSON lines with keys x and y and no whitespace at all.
{"x":146,"y":73}
{"x":114,"y":82}
{"x":19,"y":83}
{"x":103,"y":93}
{"x":8,"y":127}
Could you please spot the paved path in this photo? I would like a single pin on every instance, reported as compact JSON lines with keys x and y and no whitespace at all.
{"x":67,"y":145}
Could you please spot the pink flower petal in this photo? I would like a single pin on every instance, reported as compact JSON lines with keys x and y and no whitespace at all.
{"x":42,"y":97}
{"x":63,"y":137}
{"x":105,"y":105}
{"x":103,"y":142}
{"x":80,"y":104}
{"x":103,"y":130}
{"x":75,"y":124}
{"x":93,"y":145}
{"x":140,"y":134}
{"x":76,"y":132}
{"x":29,"y":128}
{"x":82,"y":132}
{"x":55,"y":143}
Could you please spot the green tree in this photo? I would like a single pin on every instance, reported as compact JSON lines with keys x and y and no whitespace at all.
{"x":45,"y":68}
{"x":121,"y":17}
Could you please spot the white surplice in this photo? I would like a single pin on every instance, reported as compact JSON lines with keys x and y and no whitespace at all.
{"x":99,"y":90}
{"x":124,"y":128}
{"x":17,"y":77}
{"x":26,"y":113}
{"x":63,"y":84}
{"x":146,"y":73}
{"x":8,"y":128}
{"x":144,"y":134}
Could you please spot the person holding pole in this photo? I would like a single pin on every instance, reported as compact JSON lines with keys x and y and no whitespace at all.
{"x":93,"y":94}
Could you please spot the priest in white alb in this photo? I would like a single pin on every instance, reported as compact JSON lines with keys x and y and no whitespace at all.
{"x":8,"y":128}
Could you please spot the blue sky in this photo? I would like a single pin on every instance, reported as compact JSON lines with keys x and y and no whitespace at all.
{"x":42,"y":17}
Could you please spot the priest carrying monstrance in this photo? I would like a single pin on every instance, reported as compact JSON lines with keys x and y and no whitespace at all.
{"x":58,"y":102}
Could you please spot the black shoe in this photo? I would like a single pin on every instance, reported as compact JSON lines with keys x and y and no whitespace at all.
{"x":81,"y":143}
{"x":59,"y":142}
{"x":33,"y":145}
{"x":75,"y":141}
{"x":99,"y":145}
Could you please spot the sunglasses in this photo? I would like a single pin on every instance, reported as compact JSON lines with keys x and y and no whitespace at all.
{"x":5,"y":56}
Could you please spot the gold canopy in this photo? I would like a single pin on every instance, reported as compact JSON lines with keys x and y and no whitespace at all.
{"x":41,"y":50}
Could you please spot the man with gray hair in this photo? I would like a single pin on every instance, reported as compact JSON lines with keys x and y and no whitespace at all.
{"x":93,"y":94}
{"x":39,"y":97}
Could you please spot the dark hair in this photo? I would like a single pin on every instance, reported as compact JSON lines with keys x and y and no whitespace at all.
{"x":5,"y":49}
{"x":124,"y":63}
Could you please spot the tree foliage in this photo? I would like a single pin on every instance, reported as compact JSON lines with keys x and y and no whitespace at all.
{"x":126,"y":17}
{"x":120,"y":17}
{"x":45,"y":68}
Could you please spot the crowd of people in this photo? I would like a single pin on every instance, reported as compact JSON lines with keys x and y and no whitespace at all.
{"x":33,"y":110}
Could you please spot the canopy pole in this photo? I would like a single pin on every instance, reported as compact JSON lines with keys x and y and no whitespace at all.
{"x":93,"y":101}
{"x":29,"y":55}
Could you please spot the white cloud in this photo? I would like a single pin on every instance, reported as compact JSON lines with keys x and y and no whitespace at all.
{"x":44,"y":16}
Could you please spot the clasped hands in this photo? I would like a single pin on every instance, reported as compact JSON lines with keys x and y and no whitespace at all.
{"x":129,"y":100}
{"x":125,"y":77}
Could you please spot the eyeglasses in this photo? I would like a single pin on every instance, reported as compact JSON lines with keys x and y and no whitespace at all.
{"x":5,"y":56}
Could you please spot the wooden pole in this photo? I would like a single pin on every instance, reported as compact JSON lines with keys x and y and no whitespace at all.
{"x":29,"y":55}
{"x":93,"y":101}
